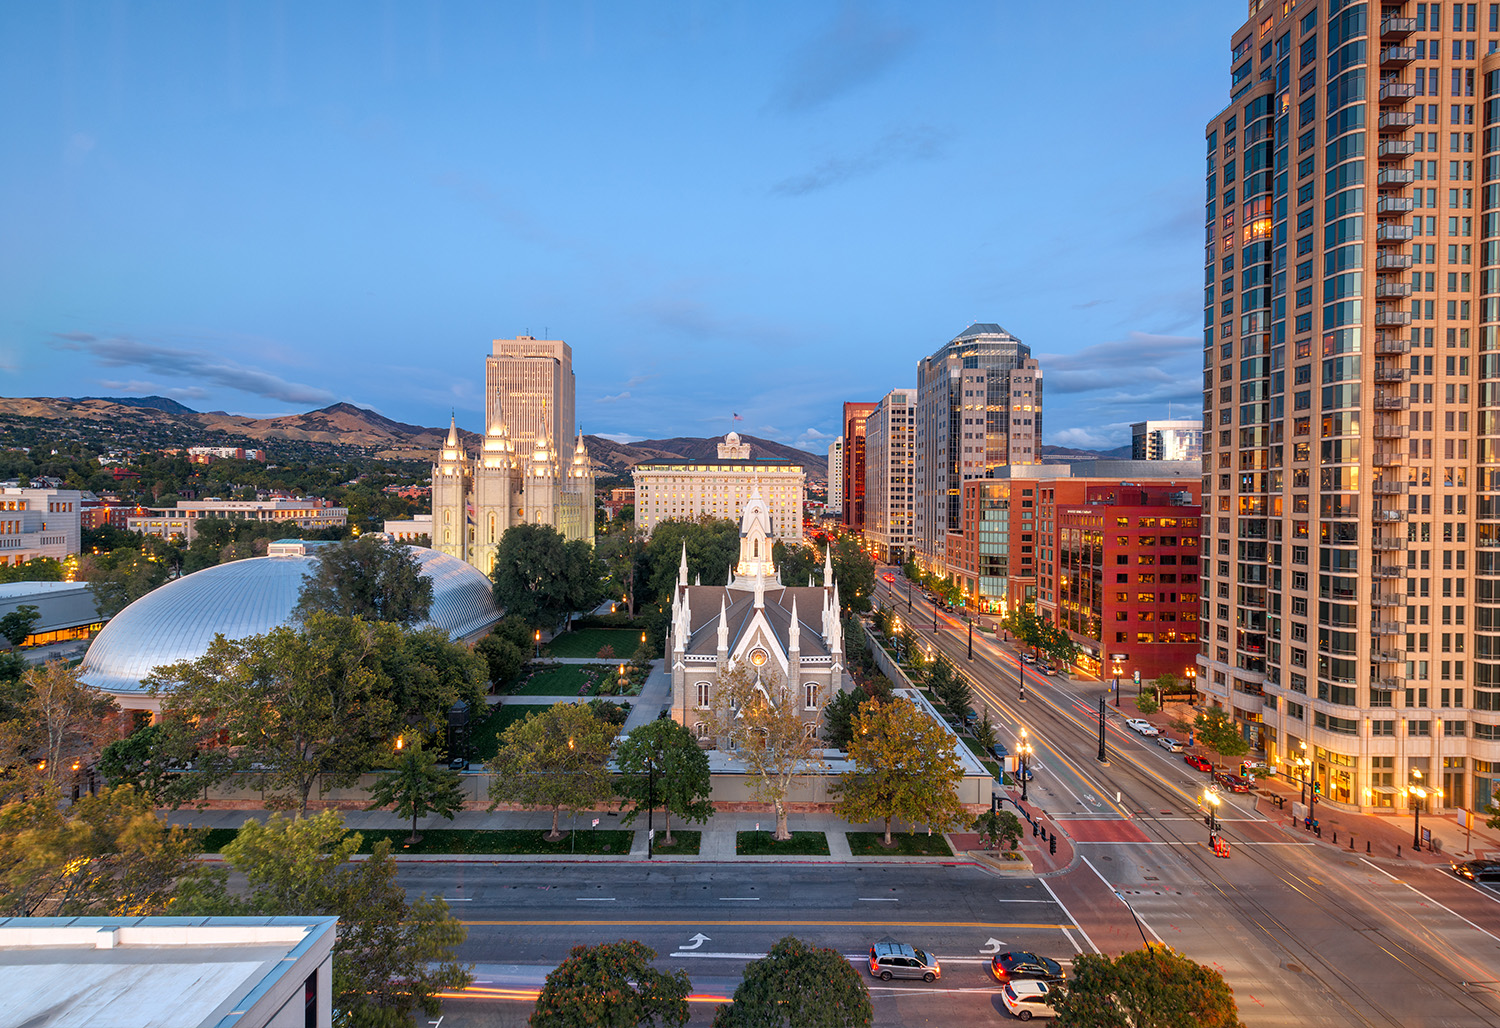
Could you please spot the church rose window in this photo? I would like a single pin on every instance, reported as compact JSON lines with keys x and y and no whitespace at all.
{"x":758,"y":658}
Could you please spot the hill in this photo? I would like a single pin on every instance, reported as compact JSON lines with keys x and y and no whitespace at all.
{"x":614,"y":459}
{"x":1063,"y":454}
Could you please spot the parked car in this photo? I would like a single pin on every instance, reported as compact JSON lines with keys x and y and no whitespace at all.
{"x":1170,"y":744}
{"x":1028,"y":999}
{"x":1020,"y":965}
{"x":1201,"y":763}
{"x":1045,"y":669}
{"x":1027,"y":658}
{"x":1142,"y":726}
{"x":1000,"y":751}
{"x":1234,"y":783}
{"x":971,"y":718}
{"x":891,"y":959}
{"x":1485,"y":872}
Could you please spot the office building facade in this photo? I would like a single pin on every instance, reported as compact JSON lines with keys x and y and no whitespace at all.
{"x":855,"y":415}
{"x":40,"y":523}
{"x":836,"y":477}
{"x":1351,"y":322}
{"x":890,"y":475}
{"x":686,"y":490}
{"x":1166,"y":440}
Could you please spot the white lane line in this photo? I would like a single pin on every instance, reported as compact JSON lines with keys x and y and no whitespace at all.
{"x":456,"y":899}
{"x":595,"y":899}
{"x":1429,"y":899}
{"x":1069,"y":935}
{"x":738,"y":899}
{"x":1065,"y":910}
{"x":879,"y":899}
{"x":1129,"y":909}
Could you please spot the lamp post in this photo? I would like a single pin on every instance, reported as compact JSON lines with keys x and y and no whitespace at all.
{"x":1103,"y":757}
{"x":650,"y":808}
{"x":1309,"y":785}
{"x":538,"y":637}
{"x":1117,"y":684}
{"x":1212,"y":800}
{"x":1192,"y":674}
{"x":1021,"y":675}
{"x":1023,"y":749}
{"x":971,"y":637}
{"x":1417,"y":795}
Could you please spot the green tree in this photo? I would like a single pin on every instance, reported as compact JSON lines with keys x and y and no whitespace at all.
{"x":554,"y":759}
{"x":661,"y":765}
{"x":1154,"y":987}
{"x":502,"y":658}
{"x":107,"y":855}
{"x":904,"y":767}
{"x":797,"y":565}
{"x":984,"y":734}
{"x":999,"y":828}
{"x":391,"y":956}
{"x":949,"y":686}
{"x":757,"y":717}
{"x":1216,"y":732}
{"x":16,"y":626}
{"x":838,"y":718}
{"x":611,"y":985}
{"x":428,"y":674}
{"x":854,"y":571}
{"x":1146,"y":703}
{"x":713,"y":547}
{"x":37,"y":569}
{"x":147,"y":761}
{"x":60,"y":726}
{"x":120,"y":578}
{"x":541,"y":577}
{"x":370,"y":577}
{"x":416,"y":786}
{"x":798,"y":986}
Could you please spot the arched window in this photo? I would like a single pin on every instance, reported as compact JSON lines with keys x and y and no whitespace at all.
{"x":492,"y":528}
{"x":447,"y":517}
{"x":702,"y":695}
{"x":447,"y":535}
{"x":756,"y":548}
{"x":810,"y":729}
{"x":700,"y":730}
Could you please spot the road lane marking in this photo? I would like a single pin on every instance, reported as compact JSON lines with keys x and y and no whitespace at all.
{"x":879,"y":899}
{"x":739,"y":899}
{"x":983,"y":925}
{"x":595,"y":899}
{"x":1064,"y":909}
{"x":1429,"y":899}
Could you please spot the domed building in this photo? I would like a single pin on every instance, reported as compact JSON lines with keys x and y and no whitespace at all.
{"x":250,"y":597}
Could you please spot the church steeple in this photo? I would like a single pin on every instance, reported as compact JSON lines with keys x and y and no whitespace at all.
{"x":756,"y":540}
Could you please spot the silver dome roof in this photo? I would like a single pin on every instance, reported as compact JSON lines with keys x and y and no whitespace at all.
{"x":250,"y":597}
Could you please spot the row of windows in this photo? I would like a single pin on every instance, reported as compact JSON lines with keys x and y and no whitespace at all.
{"x":810,"y":693}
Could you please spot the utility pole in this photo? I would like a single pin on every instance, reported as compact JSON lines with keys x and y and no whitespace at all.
{"x":1103,"y":758}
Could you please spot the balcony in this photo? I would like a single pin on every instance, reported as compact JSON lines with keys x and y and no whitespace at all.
{"x":1387,"y":515}
{"x":1394,"y":233}
{"x":1381,"y":655}
{"x":1397,"y":120}
{"x":1391,"y":403}
{"x":1397,"y":56}
{"x":1386,"y":346}
{"x":1388,"y":487}
{"x":1395,"y":149}
{"x":1397,"y":28}
{"x":1391,"y":682}
{"x":1392,"y":317}
{"x":1388,"y":571}
{"x":1394,"y":176}
{"x":1390,"y":373}
{"x":1395,"y":205}
{"x":1393,"y":262}
{"x":1389,"y":431}
{"x":1387,"y":628}
{"x":1386,"y":601}
{"x":1387,"y":544}
{"x":1397,"y":92}
{"x":1388,"y":458}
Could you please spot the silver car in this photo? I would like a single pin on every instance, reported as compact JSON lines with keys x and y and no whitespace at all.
{"x":891,"y":959}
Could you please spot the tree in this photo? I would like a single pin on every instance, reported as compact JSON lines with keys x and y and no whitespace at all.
{"x":16,"y":626}
{"x":1154,"y":987}
{"x":1216,"y":732}
{"x":662,"y":765}
{"x":838,"y":718}
{"x":797,"y":565}
{"x":60,"y":720}
{"x":611,"y":985}
{"x":904,"y":767}
{"x":120,"y":578}
{"x":854,"y":571}
{"x":417,"y":786}
{"x":371,"y":577}
{"x":554,"y":759}
{"x":107,"y":855}
{"x":949,"y":686}
{"x":998,"y":828}
{"x":985,"y":733}
{"x":713,"y":547}
{"x":541,"y":577}
{"x":798,"y":986}
{"x":147,"y":761}
{"x":1146,"y":703}
{"x":37,"y":569}
{"x":390,"y":957}
{"x":758,"y":718}
{"x":291,"y":706}
{"x":502,"y":658}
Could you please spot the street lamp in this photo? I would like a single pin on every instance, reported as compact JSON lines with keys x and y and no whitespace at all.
{"x":1418,"y":796}
{"x":1117,"y":684}
{"x":1309,"y":786}
{"x":1023,"y":748}
{"x":1212,"y":799}
{"x":970,"y":619}
{"x":650,"y":808}
{"x":538,"y":637}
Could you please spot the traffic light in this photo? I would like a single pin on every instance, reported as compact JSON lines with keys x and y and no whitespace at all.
{"x":1052,"y":843}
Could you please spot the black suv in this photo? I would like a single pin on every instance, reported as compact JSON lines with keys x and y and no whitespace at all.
{"x":1486,"y":872}
{"x":1019,"y":965}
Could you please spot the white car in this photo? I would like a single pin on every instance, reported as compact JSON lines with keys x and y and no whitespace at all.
{"x":1027,"y":999}
{"x":1142,"y":726}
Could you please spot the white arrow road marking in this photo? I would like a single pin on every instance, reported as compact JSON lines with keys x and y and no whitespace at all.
{"x":696,"y":940}
{"x":992,"y":946}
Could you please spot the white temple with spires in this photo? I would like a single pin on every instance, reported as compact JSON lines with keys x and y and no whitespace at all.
{"x":794,"y":630}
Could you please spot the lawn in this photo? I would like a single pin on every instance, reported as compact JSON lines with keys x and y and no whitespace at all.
{"x":509,"y":840}
{"x":684,"y":844}
{"x":564,"y":680}
{"x":801,"y":844}
{"x":872,"y":844}
{"x":587,"y":642}
{"x":484,"y":737}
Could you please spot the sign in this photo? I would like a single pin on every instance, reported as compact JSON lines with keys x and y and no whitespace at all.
{"x":1137,"y":678}
{"x":1466,"y":819}
{"x":1427,"y":835}
{"x":1119,"y":656}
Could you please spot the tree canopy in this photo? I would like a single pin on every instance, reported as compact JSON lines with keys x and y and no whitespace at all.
{"x":854,"y":571}
{"x":904,"y":767}
{"x":1214,"y":730}
{"x":17,"y":625}
{"x":542,"y":578}
{"x":1154,"y":987}
{"x":798,"y":986}
{"x":554,"y":759}
{"x":56,"y":720}
{"x":121,"y":577}
{"x":371,"y":577}
{"x":679,"y":783}
{"x":757,"y":717}
{"x":611,"y":985}
{"x":416,"y":785}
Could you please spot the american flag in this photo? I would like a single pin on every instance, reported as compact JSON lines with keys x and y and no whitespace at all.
{"x":738,"y":418}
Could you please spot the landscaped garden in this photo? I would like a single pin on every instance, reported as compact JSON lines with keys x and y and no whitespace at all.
{"x":761,"y":844}
{"x":872,"y":844}
{"x":587,"y":642}
{"x":498,"y":841}
{"x":564,"y":679}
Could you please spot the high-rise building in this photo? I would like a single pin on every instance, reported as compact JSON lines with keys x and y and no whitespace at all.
{"x":979,"y":407}
{"x":890,"y":475}
{"x":836,"y":477}
{"x":1351,"y":316}
{"x":854,"y":464}
{"x":529,"y":469}
{"x":1166,"y":440}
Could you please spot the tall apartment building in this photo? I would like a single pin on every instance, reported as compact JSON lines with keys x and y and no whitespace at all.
{"x":836,"y":476}
{"x":1351,"y":325}
{"x":855,"y":415}
{"x":1166,"y":440}
{"x":890,"y":475}
{"x":979,"y":407}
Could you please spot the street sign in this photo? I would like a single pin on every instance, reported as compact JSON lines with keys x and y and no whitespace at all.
{"x":1137,"y":678}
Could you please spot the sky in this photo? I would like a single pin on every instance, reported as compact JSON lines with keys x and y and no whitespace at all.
{"x":754,"y":208}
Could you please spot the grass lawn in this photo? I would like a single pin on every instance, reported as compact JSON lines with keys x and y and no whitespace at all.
{"x":217,"y":838}
{"x":564,"y":680}
{"x":510,"y":840}
{"x":587,"y":642}
{"x":484,"y":737}
{"x":683,"y":843}
{"x":801,"y":844}
{"x":871,"y":844}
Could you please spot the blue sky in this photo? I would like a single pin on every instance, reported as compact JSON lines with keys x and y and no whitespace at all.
{"x":755,"y":207}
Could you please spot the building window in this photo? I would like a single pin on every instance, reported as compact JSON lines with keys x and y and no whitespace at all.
{"x":702,"y":695}
{"x":810,"y":696}
{"x":700,"y":730}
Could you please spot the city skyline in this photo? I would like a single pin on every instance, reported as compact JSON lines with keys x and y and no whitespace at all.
{"x":276,"y":209}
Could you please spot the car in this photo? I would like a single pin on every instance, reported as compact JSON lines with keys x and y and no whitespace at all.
{"x":888,"y":577}
{"x":1000,"y":751}
{"x":1045,"y":669}
{"x":1234,"y":783}
{"x":1170,"y":744}
{"x":891,"y":959}
{"x":1027,"y":658}
{"x":1020,"y":965}
{"x":1486,"y":872}
{"x":1142,"y":726}
{"x":971,"y":718}
{"x":1028,"y":999}
{"x":1201,"y":763}
{"x":458,"y":764}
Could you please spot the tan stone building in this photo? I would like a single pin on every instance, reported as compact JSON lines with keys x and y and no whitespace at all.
{"x":668,"y":490}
